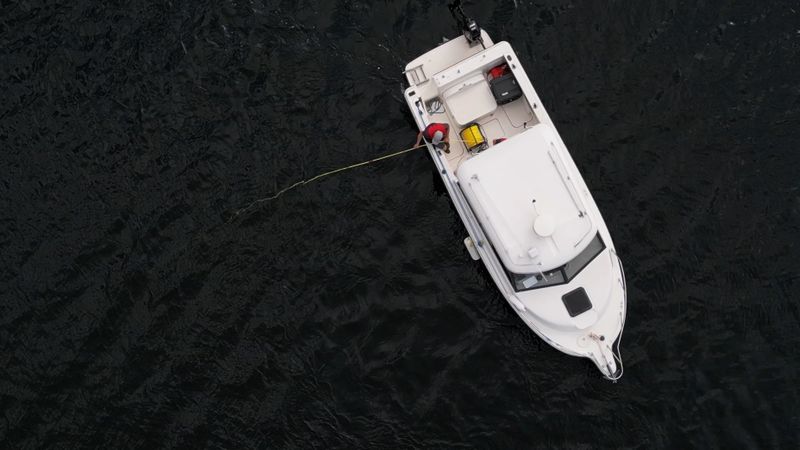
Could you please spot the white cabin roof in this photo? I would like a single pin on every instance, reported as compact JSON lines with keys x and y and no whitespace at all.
{"x":527,"y":202}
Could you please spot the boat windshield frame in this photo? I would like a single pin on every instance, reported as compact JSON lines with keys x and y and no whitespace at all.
{"x":560,"y":275}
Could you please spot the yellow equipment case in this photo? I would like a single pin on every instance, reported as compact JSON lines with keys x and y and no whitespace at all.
{"x":473,"y":138}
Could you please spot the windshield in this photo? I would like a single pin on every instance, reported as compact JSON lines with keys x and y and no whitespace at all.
{"x":560,"y":275}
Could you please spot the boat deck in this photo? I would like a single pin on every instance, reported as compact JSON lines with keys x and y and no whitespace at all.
{"x":504,"y":122}
{"x":452,"y":83}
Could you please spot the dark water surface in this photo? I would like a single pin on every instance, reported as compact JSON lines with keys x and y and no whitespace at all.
{"x":347,"y":313}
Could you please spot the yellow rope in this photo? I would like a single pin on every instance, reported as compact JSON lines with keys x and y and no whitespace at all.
{"x":322,"y":175}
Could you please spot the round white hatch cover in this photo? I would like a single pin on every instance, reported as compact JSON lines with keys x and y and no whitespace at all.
{"x":544,"y":225}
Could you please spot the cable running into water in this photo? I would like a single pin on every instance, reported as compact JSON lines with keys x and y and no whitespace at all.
{"x":322,"y":175}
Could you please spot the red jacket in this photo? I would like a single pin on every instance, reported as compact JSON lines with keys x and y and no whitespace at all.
{"x":431,"y":129}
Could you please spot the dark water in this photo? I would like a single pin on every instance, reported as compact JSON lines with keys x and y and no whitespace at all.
{"x":347,"y":313}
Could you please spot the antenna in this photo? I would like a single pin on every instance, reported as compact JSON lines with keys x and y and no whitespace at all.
{"x":471,"y":30}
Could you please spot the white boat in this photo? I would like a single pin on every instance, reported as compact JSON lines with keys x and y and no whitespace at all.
{"x":527,"y":210}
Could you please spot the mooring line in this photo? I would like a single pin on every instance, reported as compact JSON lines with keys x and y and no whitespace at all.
{"x":322,"y":175}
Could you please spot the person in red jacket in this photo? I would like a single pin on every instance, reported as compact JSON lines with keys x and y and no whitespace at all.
{"x":437,"y":134}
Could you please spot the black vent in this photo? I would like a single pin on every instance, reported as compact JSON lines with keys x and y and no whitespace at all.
{"x":577,"y":302}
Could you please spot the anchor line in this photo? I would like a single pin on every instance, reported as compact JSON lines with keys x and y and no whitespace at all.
{"x":322,"y":175}
{"x":335,"y":171}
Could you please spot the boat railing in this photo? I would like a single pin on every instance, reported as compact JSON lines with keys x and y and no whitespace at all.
{"x":614,"y":348}
{"x":566,"y":178}
{"x":467,"y":215}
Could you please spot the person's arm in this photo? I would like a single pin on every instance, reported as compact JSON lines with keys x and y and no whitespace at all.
{"x":419,"y":139}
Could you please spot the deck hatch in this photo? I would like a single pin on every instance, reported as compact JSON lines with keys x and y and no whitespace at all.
{"x":577,"y":302}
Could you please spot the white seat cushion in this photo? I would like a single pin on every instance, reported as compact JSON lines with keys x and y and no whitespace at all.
{"x":469,"y":100}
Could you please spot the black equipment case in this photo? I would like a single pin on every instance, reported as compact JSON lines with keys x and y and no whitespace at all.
{"x":505,"y":89}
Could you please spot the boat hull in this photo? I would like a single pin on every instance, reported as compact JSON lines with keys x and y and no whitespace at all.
{"x":594,"y":336}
